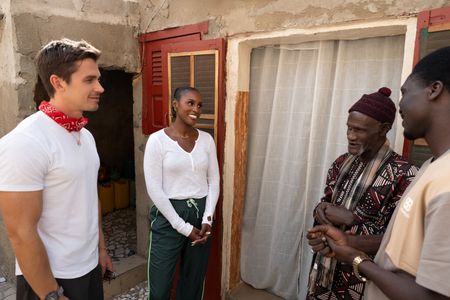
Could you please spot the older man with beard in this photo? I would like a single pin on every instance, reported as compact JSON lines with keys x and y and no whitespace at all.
{"x":362,"y":190}
{"x":413,"y":259}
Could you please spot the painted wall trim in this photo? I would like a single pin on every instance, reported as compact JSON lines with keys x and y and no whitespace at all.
{"x":174,"y":32}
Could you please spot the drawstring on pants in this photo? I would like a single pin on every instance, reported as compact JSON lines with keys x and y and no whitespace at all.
{"x":191,"y":202}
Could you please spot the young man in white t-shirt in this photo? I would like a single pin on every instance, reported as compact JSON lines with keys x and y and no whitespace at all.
{"x":48,"y":182}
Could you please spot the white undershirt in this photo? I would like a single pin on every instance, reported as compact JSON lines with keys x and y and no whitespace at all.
{"x":173,"y":173}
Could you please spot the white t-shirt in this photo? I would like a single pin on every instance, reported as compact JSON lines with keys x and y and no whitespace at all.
{"x":38,"y":155}
{"x":172,"y":173}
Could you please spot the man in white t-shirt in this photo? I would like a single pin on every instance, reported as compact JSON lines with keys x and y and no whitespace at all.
{"x":48,"y":182}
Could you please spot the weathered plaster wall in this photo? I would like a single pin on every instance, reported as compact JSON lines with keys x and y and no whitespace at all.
{"x":8,"y":70}
{"x":243,"y":16}
{"x":251,"y":23}
{"x":238,"y":64}
{"x":110,"y":25}
{"x":8,"y":112}
{"x":142,"y":198}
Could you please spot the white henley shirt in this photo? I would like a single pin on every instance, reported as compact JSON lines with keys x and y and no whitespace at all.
{"x":173,"y":173}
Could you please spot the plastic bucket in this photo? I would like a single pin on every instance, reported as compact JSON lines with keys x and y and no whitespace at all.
{"x":121,"y":194}
{"x":106,"y":196}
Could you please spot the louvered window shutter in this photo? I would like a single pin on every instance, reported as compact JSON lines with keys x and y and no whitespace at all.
{"x":433,"y":32}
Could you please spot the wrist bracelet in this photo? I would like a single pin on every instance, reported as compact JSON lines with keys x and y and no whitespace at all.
{"x":356,"y":262}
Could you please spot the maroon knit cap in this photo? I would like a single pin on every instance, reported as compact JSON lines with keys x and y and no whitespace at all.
{"x":377,"y":106}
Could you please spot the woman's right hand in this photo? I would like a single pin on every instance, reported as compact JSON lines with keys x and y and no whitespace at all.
{"x":194,"y":235}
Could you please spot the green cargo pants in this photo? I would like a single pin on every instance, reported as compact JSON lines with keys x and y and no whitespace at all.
{"x":166,"y":246}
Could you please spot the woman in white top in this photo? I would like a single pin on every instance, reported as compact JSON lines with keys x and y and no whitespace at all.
{"x":182,"y":178}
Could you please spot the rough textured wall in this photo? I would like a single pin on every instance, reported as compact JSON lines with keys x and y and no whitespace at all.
{"x":142,"y":198}
{"x":110,"y":25}
{"x":238,"y":19}
{"x":241,"y":16}
{"x":9,"y":77}
{"x":8,"y":112}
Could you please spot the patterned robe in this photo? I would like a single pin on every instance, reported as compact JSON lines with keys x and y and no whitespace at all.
{"x":372,"y":214}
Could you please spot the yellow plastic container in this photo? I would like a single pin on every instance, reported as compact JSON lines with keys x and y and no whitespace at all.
{"x":121,"y":194}
{"x":106,"y":196}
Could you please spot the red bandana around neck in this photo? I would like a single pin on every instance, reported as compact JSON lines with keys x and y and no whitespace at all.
{"x":71,"y":124}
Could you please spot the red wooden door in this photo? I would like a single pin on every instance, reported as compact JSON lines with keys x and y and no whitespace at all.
{"x":154,"y":110}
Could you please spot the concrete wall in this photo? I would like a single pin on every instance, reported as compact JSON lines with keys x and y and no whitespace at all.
{"x":38,"y":22}
{"x":8,"y":111}
{"x":110,"y":25}
{"x":232,"y":17}
{"x":142,"y":198}
{"x":252,"y":23}
{"x":9,"y":77}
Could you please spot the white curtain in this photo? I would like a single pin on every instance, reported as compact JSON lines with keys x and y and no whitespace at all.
{"x":299,"y":98}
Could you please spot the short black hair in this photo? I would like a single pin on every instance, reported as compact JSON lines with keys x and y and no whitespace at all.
{"x":60,"y":58}
{"x":178,"y":93}
{"x":434,"y":66}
